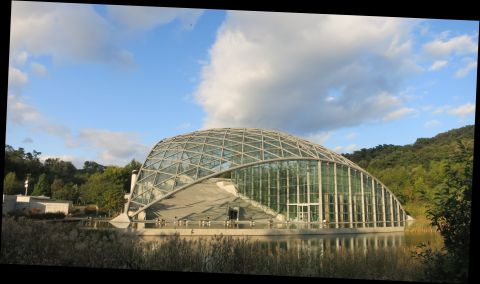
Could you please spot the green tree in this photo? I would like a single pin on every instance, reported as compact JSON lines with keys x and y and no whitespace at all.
{"x":11,"y":185}
{"x":133,"y":165}
{"x":21,"y":162}
{"x":56,"y":187}
{"x":451,"y":214}
{"x":42,"y":187}
{"x":106,"y":189}
{"x":69,"y":191}
{"x":91,"y":167}
{"x":56,"y":168}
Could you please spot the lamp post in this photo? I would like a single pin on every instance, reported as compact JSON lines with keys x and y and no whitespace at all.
{"x":26,"y":184}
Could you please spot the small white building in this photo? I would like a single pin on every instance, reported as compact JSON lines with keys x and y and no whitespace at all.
{"x":42,"y":203}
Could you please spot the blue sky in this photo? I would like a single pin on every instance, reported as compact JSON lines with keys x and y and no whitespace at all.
{"x":105,"y":83}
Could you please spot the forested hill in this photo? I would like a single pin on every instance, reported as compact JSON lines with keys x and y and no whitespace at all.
{"x":416,"y":172}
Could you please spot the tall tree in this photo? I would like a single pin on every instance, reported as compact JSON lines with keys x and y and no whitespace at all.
{"x":42,"y":186}
{"x":57,"y":186}
{"x":105,"y":189}
{"x":451,"y":214}
{"x":11,"y":185}
{"x":57,"y":168}
{"x":91,"y":167}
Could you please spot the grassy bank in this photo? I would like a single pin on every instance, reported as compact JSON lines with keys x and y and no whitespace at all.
{"x":36,"y":242}
{"x":419,"y":212}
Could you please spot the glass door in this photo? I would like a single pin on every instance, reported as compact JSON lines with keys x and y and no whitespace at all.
{"x":302,"y":213}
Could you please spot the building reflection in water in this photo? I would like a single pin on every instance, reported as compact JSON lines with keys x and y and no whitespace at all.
{"x":330,"y":243}
{"x":313,"y":243}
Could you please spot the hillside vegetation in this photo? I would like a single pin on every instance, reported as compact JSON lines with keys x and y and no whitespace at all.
{"x":415,"y":173}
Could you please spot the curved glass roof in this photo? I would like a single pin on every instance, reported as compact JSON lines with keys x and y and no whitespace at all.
{"x":179,"y":161}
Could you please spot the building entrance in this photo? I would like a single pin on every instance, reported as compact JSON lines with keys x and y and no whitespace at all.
{"x":302,"y":213}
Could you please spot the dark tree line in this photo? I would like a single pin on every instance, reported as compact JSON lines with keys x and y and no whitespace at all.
{"x":104,"y":186}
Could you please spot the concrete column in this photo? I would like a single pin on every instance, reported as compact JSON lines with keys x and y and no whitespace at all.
{"x":335,"y":194}
{"x":350,"y":210}
{"x":374,"y":204}
{"x":133,"y":180}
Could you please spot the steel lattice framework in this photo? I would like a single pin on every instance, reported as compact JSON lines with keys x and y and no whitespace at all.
{"x":181,"y":161}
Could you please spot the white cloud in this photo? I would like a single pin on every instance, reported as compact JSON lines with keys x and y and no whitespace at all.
{"x":396,"y":114}
{"x":431,"y":123}
{"x":350,"y":148}
{"x":459,"y":45}
{"x":462,"y":72}
{"x":345,"y":149}
{"x":319,"y":137}
{"x":277,"y":70}
{"x":109,"y":151}
{"x":65,"y":31}
{"x":337,"y":149}
{"x":21,"y":113}
{"x":21,"y":58}
{"x":76,"y":161}
{"x":38,"y":68}
{"x":104,"y":143}
{"x":441,"y":109}
{"x":144,"y":18}
{"x":16,"y":78}
{"x":437,"y":65}
{"x":466,"y":109}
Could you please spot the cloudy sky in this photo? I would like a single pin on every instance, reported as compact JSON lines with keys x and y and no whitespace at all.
{"x":105,"y":83}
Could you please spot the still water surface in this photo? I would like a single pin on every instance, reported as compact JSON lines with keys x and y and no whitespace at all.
{"x":328,"y":243}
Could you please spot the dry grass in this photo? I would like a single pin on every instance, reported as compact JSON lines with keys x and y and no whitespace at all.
{"x":33,"y":242}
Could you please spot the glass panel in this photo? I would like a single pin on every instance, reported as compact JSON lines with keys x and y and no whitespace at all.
{"x":246,"y":159}
{"x":171,"y":169}
{"x":161,"y":178}
{"x":204,"y":172}
{"x":214,"y":141}
{"x":192,"y":173}
{"x":268,"y":156}
{"x":256,"y":144}
{"x":256,"y":154}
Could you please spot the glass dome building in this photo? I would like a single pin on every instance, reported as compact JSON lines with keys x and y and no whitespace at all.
{"x":283,"y":176}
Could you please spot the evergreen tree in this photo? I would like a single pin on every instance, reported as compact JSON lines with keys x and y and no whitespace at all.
{"x":42,"y":187}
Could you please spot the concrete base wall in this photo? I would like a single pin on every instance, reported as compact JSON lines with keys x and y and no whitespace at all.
{"x":43,"y":205}
{"x":263,"y":232}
